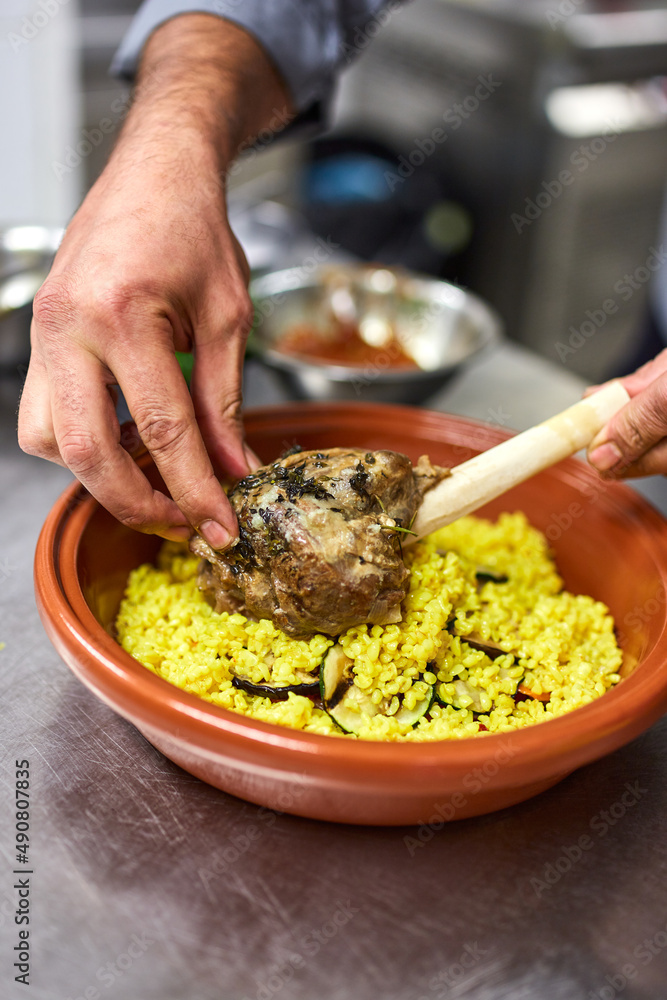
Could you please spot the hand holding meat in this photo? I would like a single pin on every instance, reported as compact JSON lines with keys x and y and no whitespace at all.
{"x":320,"y":540}
{"x":148,"y":265}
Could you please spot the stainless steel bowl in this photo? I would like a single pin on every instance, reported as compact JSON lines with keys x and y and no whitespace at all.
{"x":26,"y":253}
{"x":439,"y":324}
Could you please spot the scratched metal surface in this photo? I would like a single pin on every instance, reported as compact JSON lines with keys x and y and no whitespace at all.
{"x":150,"y":885}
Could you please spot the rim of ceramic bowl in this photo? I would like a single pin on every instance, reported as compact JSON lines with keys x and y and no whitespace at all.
{"x":487,"y":323}
{"x":576,"y":738}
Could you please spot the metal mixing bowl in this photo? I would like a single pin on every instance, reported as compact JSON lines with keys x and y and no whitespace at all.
{"x":26,"y":253}
{"x":440,"y":325}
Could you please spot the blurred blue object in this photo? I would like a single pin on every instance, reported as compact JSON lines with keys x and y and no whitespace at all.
{"x":350,"y":177}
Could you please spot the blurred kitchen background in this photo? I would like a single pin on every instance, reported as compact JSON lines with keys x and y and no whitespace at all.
{"x":521,"y":91}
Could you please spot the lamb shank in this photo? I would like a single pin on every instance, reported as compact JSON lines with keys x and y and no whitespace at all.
{"x":319,"y":546}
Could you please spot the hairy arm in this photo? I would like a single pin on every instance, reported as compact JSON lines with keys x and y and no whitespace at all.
{"x":149,"y":265}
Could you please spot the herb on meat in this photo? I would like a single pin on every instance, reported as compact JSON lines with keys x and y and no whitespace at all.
{"x":274,"y":539}
{"x":295,"y":485}
{"x":242,"y":555}
{"x":359,"y":480}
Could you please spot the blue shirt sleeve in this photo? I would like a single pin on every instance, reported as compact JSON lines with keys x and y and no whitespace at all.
{"x":307,"y":40}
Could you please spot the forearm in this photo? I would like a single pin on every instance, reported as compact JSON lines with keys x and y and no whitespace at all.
{"x":205,"y":86}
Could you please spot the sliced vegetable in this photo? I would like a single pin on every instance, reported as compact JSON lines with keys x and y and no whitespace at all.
{"x":335,"y":675}
{"x":543,"y":696}
{"x":485,"y":575}
{"x":353,"y":711}
{"x":492,"y":649}
{"x":488,"y":646}
{"x":466,"y":695}
{"x":349,"y":706}
{"x":307,"y":683}
{"x":411,"y":716}
{"x":278,"y":692}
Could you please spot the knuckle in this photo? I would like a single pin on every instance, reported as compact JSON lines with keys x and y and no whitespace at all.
{"x":232,"y":410}
{"x":192,"y":497}
{"x":634,"y":434}
{"x":647,"y":423}
{"x":53,"y":305}
{"x":244,"y":315}
{"x":660,"y":400}
{"x":115,"y":303}
{"x":138,"y":520}
{"x":34,"y":442}
{"x":80,"y":451}
{"x":162,"y":431}
{"x":238,"y":312}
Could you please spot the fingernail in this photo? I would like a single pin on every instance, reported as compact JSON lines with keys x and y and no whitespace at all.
{"x":214,"y":533}
{"x":178,"y":533}
{"x":605,"y":457}
{"x":251,"y":458}
{"x":600,"y":438}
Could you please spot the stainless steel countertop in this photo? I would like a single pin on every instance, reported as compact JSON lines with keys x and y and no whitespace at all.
{"x":149,"y":885}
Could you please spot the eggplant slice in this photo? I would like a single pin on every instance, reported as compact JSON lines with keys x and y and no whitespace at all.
{"x":276,"y":692}
{"x":307,"y":684}
{"x":475,"y":641}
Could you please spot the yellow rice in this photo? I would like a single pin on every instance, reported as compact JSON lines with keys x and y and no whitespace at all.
{"x":553,"y":641}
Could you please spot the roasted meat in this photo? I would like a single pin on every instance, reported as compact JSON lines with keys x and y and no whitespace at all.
{"x":319,"y":545}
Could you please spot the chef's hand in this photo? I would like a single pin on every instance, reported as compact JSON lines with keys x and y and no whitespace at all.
{"x":634,"y":442}
{"x":149,"y":265}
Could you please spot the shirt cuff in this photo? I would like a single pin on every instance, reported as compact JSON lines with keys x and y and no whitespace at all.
{"x":302,"y":39}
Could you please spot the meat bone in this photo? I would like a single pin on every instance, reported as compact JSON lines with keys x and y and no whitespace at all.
{"x":493,"y":472}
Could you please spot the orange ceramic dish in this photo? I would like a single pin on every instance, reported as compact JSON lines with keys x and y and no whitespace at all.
{"x":608,"y":541}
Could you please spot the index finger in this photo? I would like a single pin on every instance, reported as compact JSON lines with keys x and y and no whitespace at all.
{"x":87,"y":440}
{"x":639,"y":379}
{"x":158,"y":399}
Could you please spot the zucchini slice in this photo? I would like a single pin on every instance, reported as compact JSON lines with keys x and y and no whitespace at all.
{"x":349,"y":706}
{"x":411,"y":716}
{"x":335,"y":675}
{"x":353,"y":710}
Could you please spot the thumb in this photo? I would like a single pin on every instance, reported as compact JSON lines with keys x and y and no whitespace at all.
{"x":632,"y":442}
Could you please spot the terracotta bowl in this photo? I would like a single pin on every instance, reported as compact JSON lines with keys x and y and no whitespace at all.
{"x":608,"y":541}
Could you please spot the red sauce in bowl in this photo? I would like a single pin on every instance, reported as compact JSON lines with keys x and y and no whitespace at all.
{"x":342,"y":345}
